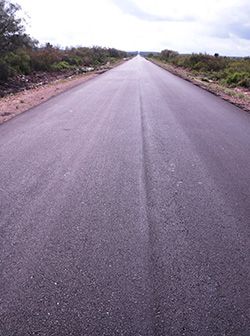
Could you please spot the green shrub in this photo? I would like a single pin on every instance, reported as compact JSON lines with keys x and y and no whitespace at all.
{"x":19,"y":62}
{"x":42,"y":59}
{"x":238,"y":78}
{"x":61,"y":66}
{"x":245,"y":82}
{"x":4,"y":71}
{"x":229,"y":71}
{"x":72,"y":60}
{"x":203,"y":62}
{"x":49,"y":58}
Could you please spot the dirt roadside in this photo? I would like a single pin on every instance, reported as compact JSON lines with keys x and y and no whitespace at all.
{"x":237,"y":96}
{"x":14,"y":104}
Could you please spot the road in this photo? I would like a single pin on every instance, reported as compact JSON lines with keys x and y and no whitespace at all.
{"x":125,"y":210}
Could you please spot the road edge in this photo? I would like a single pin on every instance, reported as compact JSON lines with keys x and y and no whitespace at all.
{"x":201,"y":85}
{"x":72,"y":83}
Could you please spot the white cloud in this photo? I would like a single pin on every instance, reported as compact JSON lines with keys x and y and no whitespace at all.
{"x":187,"y":26}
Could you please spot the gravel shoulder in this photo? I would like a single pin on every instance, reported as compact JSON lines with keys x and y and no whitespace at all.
{"x":237,"y":96}
{"x":17,"y":103}
{"x":14,"y":104}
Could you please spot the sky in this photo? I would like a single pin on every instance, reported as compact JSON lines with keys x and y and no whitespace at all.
{"x":211,"y":26}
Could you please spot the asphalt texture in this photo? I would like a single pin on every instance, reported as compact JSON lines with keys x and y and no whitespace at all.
{"x":125,"y":210}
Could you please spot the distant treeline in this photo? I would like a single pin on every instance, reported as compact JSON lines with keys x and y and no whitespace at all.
{"x":20,"y":54}
{"x":143,"y":53}
{"x":232,"y":71}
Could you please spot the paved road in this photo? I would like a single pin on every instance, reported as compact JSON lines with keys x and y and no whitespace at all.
{"x":125,"y":210}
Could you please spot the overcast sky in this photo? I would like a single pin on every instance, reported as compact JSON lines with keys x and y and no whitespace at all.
{"x":210,"y":26}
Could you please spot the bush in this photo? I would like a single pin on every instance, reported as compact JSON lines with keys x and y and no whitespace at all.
{"x":167,"y":55}
{"x":229,"y":71}
{"x":238,"y":78}
{"x":19,"y":53}
{"x":18,"y":62}
{"x":49,"y":59}
{"x":4,"y":71}
{"x":203,"y":62}
{"x":245,"y":82}
{"x":42,"y":59}
{"x":61,"y":66}
{"x":72,"y":60}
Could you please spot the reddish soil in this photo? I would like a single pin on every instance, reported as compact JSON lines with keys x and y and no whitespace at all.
{"x":24,"y":92}
{"x":14,"y":104}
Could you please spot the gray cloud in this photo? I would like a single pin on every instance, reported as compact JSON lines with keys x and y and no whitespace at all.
{"x":240,"y":30}
{"x":227,"y":30}
{"x":129,"y":7}
{"x":235,"y":21}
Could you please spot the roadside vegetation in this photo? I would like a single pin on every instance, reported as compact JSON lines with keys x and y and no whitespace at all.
{"x":23,"y":60}
{"x":227,"y":71}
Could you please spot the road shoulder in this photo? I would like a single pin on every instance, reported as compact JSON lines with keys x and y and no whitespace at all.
{"x":236,"y":96}
{"x":15,"y":104}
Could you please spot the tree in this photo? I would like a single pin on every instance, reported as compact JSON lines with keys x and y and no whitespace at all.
{"x":167,"y":54}
{"x":12,"y":32}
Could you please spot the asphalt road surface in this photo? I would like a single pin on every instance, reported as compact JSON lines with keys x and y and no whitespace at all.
{"x":125,"y":210}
